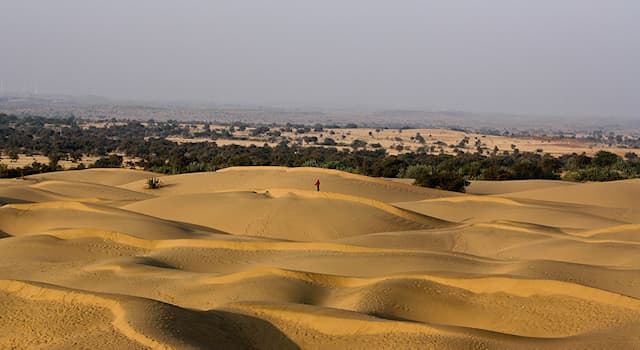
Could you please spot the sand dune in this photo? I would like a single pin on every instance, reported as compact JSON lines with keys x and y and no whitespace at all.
{"x":19,"y":193}
{"x":617,"y":194}
{"x":286,"y":214}
{"x":22,"y":219}
{"x":90,"y":192}
{"x":100,"y":176}
{"x":502,"y":187}
{"x":264,"y":178}
{"x":255,"y":258}
{"x":478,"y":209}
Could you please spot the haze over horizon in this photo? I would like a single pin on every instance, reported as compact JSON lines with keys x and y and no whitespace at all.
{"x":546,"y":57}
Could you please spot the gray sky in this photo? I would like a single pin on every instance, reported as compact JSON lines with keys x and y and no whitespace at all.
{"x":562,"y":57}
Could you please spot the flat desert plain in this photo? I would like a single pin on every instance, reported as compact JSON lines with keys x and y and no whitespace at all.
{"x":254,"y":257}
{"x":388,"y":139}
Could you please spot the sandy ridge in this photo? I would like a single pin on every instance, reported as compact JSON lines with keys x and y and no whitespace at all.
{"x":39,"y":291}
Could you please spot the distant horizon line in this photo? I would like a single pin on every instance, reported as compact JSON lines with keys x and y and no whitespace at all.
{"x":307,"y":107}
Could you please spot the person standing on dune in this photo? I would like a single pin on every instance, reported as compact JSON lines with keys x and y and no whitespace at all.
{"x":317,"y":184}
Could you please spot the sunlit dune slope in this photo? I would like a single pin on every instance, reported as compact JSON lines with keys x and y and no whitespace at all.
{"x":502,"y":187}
{"x":23,"y":219}
{"x":19,"y":192}
{"x":263,"y":178}
{"x":478,"y":209}
{"x":617,"y":194}
{"x":287,"y":214}
{"x":65,"y":318}
{"x":101,"y":176}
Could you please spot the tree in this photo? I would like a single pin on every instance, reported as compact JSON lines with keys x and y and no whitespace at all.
{"x":605,"y":159}
{"x":358,"y":144}
{"x":310,"y":139}
{"x":388,"y":167}
{"x":444,"y":180}
{"x":593,"y":174}
{"x":54,"y":158}
{"x":329,"y":142}
{"x":13,"y":155}
{"x":112,"y":161}
{"x":259,"y":130}
{"x":631,"y":156}
{"x":497,"y":173}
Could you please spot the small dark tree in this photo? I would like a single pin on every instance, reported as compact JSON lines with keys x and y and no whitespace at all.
{"x":444,"y":180}
{"x":153,"y":183}
{"x":13,"y":155}
{"x":112,"y":161}
{"x":358,"y":144}
{"x":605,"y":159}
{"x":329,"y":142}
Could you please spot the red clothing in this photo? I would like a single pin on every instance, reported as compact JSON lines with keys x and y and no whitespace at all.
{"x":317,"y":183}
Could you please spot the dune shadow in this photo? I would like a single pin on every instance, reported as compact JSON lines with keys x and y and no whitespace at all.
{"x":479,"y":332}
{"x":163,"y":185}
{"x":253,"y":332}
{"x":176,"y":327}
{"x":148,"y":261}
{"x":8,"y":200}
{"x":390,"y":317}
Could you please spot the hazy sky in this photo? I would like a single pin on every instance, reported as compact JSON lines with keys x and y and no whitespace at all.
{"x":563,"y":57}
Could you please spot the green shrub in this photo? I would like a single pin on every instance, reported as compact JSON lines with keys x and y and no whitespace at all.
{"x":593,"y":174}
{"x":153,"y":183}
{"x":444,"y":180}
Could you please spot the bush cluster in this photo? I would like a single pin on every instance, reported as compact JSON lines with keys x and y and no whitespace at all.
{"x":64,"y":139}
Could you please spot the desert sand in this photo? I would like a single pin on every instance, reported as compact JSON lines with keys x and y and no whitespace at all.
{"x":254,"y":257}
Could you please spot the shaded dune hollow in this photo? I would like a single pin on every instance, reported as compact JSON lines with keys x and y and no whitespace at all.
{"x":256,"y":258}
